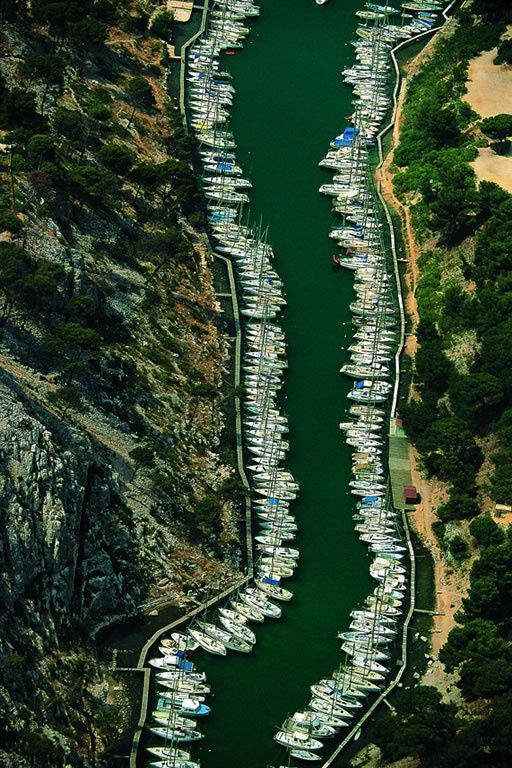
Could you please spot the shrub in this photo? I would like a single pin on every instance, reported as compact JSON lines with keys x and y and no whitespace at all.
{"x":67,"y":396}
{"x":486,"y":532}
{"x":117,"y":158}
{"x":458,"y":547}
{"x":497,"y":127}
{"x":162,"y":25}
{"x":504,"y":55}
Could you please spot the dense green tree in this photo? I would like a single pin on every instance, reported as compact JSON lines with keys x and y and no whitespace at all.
{"x":491,"y":584}
{"x":89,"y":182}
{"x":48,"y":67}
{"x":475,"y":398}
{"x":207,"y":512}
{"x":459,"y":506}
{"x":458,"y":547}
{"x":140,"y":93}
{"x":494,"y":243}
{"x":450,"y":451}
{"x":490,"y":197}
{"x":162,"y":25}
{"x":117,"y":158}
{"x":504,"y":55}
{"x":497,"y":127}
{"x":433,"y":367}
{"x":455,"y":202}
{"x":11,"y":10}
{"x":476,"y":639}
{"x":486,"y":532}
{"x":18,"y":108}
{"x":501,"y":480}
{"x":70,"y":124}
{"x":419,"y":414}
{"x":421,"y":727}
{"x":491,"y":10}
{"x":148,"y":176}
{"x":39,"y":149}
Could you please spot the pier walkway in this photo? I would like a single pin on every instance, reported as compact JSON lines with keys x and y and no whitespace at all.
{"x":398,"y":444}
{"x":141,"y":667}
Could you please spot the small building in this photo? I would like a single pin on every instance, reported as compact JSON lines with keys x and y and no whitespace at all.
{"x":503,"y":507}
{"x":410,"y":494}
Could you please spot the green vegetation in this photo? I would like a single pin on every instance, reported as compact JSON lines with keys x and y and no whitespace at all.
{"x":422,"y":726}
{"x":463,"y":301}
{"x":504,"y":55}
{"x":486,"y":532}
{"x":162,"y":25}
{"x":497,"y":127}
{"x":463,"y":387}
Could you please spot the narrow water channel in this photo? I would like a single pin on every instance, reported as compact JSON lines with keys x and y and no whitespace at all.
{"x":290,"y":102}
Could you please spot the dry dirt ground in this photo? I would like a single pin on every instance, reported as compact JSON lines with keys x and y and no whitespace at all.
{"x":489,"y":85}
{"x":490,"y":93}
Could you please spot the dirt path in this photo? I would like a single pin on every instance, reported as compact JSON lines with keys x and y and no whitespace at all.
{"x":450,"y":584}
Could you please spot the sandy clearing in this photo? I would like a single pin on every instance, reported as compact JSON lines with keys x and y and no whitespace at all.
{"x":489,"y":85}
{"x":492,"y":167}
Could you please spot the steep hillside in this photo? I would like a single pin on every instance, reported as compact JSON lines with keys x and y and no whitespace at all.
{"x":111,"y":361}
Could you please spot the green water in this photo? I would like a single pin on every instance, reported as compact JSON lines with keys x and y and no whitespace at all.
{"x":290,"y":102}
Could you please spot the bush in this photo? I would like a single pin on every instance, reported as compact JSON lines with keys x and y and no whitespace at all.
{"x":100,"y":112}
{"x":460,"y":506}
{"x":497,"y":127}
{"x":67,"y":396}
{"x":504,"y":55}
{"x":143,"y":456}
{"x":162,"y":25}
{"x":486,"y":532}
{"x":458,"y":547}
{"x":117,"y":158}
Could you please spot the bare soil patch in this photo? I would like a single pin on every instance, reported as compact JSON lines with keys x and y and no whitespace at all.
{"x":492,"y":167}
{"x":489,"y":85}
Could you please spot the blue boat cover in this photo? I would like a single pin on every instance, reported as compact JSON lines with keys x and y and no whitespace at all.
{"x":268,"y":580}
{"x":224,"y":167}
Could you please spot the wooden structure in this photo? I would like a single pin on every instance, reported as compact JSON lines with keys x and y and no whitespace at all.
{"x":181,"y":10}
{"x":410,"y":494}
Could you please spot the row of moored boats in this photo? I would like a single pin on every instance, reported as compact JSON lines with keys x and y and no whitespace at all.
{"x":184,"y":689}
{"x":338,"y":701}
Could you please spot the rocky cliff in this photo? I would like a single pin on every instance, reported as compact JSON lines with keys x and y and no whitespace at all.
{"x":113,"y":360}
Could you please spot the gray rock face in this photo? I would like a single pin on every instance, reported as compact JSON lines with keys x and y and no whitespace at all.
{"x":56,"y":498}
